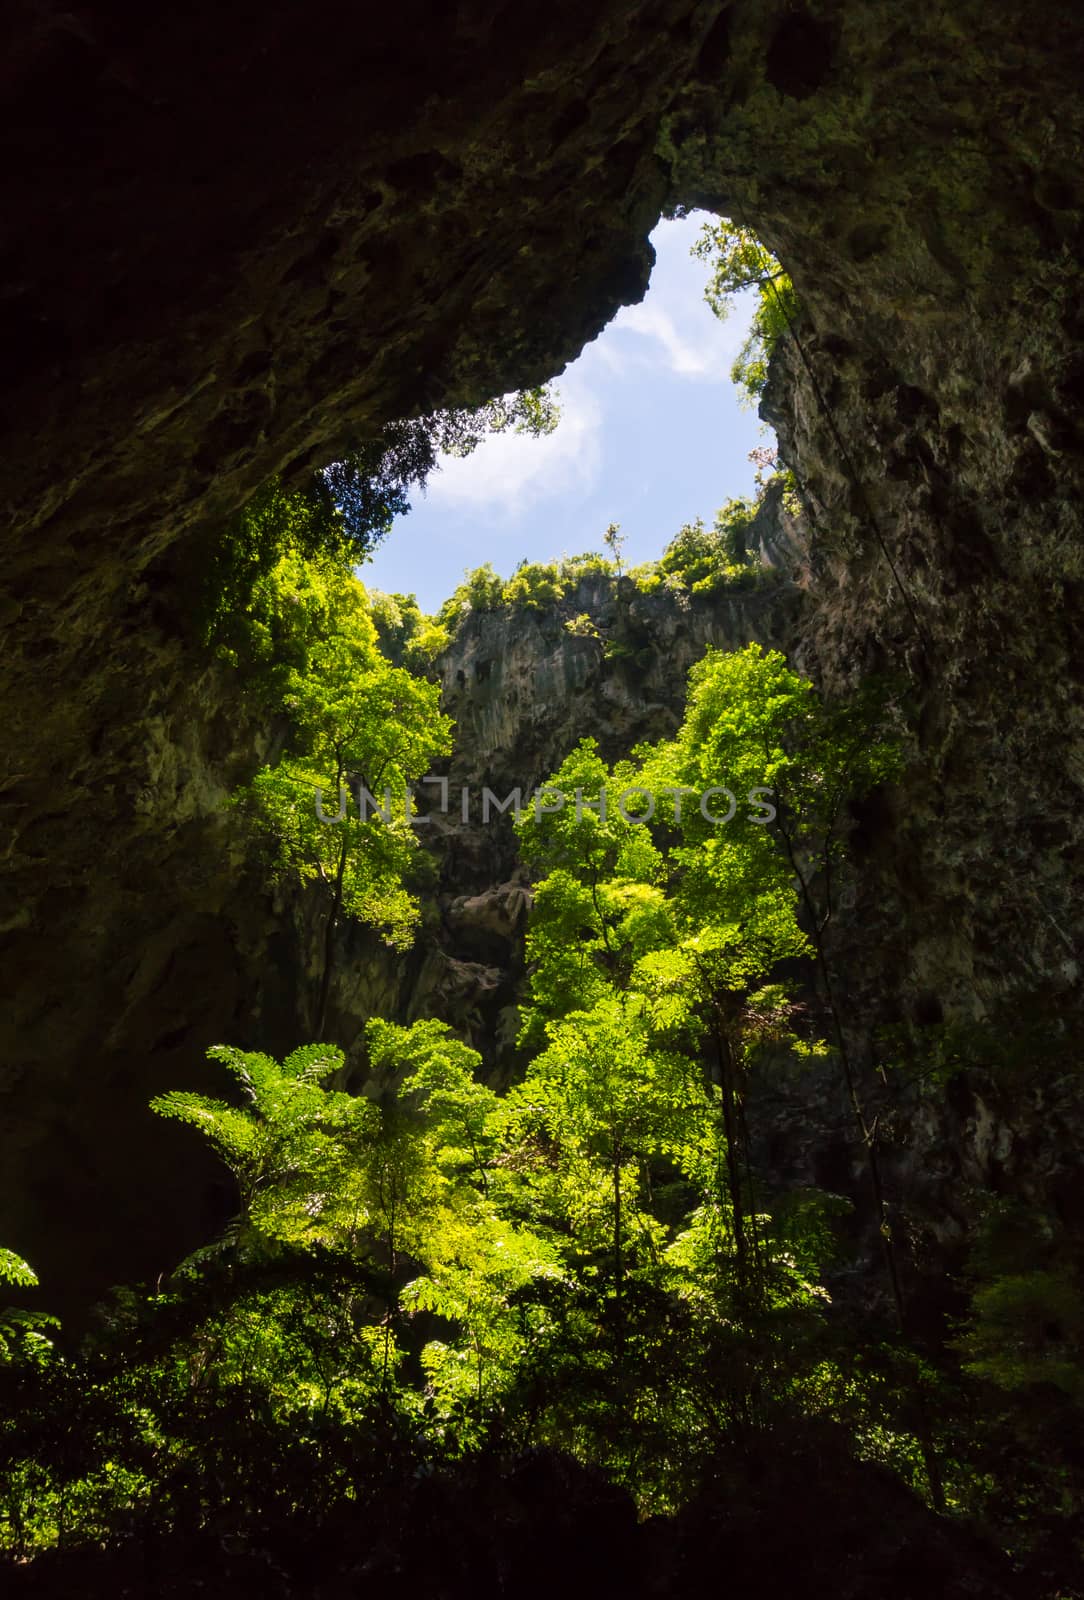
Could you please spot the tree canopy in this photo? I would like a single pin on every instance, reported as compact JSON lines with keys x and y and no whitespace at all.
{"x":335,"y":807}
{"x":739,"y":261}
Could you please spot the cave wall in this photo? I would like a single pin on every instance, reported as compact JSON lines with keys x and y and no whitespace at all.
{"x":929,"y":402}
{"x":233,"y":236}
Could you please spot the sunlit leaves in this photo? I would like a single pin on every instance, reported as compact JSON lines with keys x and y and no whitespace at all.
{"x":14,"y":1270}
{"x":739,"y":261}
{"x":589,"y":1259}
{"x":440,"y":1081}
{"x":705,"y":560}
{"x":280,"y":1143}
{"x":358,"y":724}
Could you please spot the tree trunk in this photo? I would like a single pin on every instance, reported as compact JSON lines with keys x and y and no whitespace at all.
{"x":329,"y":943}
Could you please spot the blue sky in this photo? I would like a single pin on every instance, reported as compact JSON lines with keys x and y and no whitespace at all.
{"x":651,"y":435}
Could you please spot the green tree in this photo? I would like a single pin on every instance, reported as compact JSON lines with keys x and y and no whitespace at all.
{"x":760,"y":889}
{"x":479,"y":1262}
{"x":739,"y":261}
{"x":608,"y":1100}
{"x":599,"y":897}
{"x":337,"y":516}
{"x":688,"y":918}
{"x":481,"y":590}
{"x":397,"y":1185}
{"x":22,"y":1332}
{"x":14,"y":1270}
{"x":279,"y":1141}
{"x":335,"y":807}
{"x":705,"y":560}
{"x":588,"y":565}
{"x":614,"y":540}
{"x":275,"y":546}
{"x":755,"y":726}
{"x":534,"y":585}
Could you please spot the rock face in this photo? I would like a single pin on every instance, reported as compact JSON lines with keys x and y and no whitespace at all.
{"x":524,"y":690}
{"x":235,"y":236}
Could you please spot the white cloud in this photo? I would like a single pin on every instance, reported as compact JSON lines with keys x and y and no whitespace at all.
{"x":653,"y":321}
{"x":672,"y":330}
{"x":509,"y":471}
{"x":681,"y":333}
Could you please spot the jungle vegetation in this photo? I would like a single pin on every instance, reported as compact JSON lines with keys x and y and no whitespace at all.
{"x":594,"y":1261}
{"x":698,"y":561}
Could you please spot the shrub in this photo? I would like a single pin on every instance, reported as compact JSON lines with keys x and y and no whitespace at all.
{"x":582,"y":627}
{"x":481,"y":590}
{"x":534,"y":586}
{"x":705,"y":560}
{"x":589,"y":565}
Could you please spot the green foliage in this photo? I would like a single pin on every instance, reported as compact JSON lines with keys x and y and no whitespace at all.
{"x":337,"y":518}
{"x":739,"y":261}
{"x":574,"y":569}
{"x":701,"y":560}
{"x":581,"y":1261}
{"x":753,"y":724}
{"x":760,"y":745}
{"x":407,"y":638}
{"x":14,"y":1270}
{"x":590,"y":1260}
{"x":422,"y":650}
{"x":360,"y":494}
{"x":693,"y":554}
{"x":278,"y":1137}
{"x":395,"y":1186}
{"x":1026,"y":1321}
{"x":698,"y":560}
{"x":657,"y":954}
{"x":731,"y":525}
{"x":647,"y":577}
{"x":481,"y":590}
{"x":25,"y":1336}
{"x":534,"y":586}
{"x":277,"y":537}
{"x":335,"y":807}
{"x":598,"y":894}
{"x":357,"y":721}
{"x":707,"y":560}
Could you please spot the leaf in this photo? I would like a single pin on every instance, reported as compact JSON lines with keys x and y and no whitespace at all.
{"x":14,"y":1270}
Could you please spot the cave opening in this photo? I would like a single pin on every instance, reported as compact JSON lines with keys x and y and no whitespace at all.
{"x":631,"y":1188}
{"x":654,"y":433}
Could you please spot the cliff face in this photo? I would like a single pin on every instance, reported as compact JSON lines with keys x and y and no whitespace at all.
{"x":234,"y":237}
{"x":524,"y":690}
